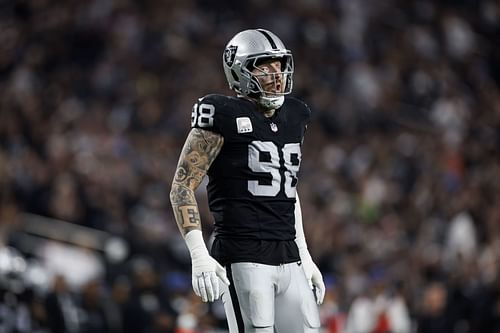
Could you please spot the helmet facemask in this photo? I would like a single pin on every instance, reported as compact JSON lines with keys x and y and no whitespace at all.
{"x":277,"y":84}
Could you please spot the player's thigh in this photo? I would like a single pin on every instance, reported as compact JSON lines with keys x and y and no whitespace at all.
{"x":254,"y":287}
{"x":296,"y":308}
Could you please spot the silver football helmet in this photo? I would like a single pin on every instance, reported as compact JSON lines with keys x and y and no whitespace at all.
{"x":244,"y":53}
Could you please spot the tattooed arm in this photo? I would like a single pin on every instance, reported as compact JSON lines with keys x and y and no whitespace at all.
{"x":199,"y":151}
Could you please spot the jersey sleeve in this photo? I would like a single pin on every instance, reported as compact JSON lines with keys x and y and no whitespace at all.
{"x":209,"y":113}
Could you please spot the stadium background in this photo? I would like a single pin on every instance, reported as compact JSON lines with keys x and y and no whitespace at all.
{"x":400,"y":179}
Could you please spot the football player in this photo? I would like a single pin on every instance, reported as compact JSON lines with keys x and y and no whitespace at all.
{"x":250,"y":148}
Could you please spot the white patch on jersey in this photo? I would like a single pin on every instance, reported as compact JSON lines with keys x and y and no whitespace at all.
{"x":244,"y":125}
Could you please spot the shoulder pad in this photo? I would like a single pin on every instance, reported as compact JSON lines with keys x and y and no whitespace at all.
{"x":210,"y":112}
{"x":299,"y":108}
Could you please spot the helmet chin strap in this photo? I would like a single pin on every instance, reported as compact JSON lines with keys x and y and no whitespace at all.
{"x":271,"y":103}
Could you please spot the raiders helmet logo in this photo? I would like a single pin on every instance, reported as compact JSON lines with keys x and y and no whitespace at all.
{"x":229,"y":54}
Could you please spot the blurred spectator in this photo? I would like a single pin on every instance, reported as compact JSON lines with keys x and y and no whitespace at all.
{"x":433,"y":317}
{"x":62,"y":308}
{"x":94,"y":318}
{"x":147,"y":310}
{"x":378,"y":310}
{"x":486,"y":310}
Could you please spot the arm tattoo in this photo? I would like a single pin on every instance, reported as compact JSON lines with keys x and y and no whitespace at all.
{"x":199,"y":151}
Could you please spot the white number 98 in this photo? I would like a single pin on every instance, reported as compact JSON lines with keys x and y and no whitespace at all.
{"x":203,"y":115}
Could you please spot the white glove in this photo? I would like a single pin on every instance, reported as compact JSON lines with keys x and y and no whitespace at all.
{"x":205,"y":269}
{"x":314,"y":276}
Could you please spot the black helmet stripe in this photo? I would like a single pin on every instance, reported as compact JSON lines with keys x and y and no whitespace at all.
{"x":269,"y":38}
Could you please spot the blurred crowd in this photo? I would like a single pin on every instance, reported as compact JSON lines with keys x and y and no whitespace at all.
{"x":400,"y":178}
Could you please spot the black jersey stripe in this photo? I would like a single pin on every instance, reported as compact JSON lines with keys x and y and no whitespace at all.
{"x":269,"y":38}
{"x":234,"y":299}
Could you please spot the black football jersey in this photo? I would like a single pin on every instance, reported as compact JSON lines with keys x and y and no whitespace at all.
{"x":252,"y":182}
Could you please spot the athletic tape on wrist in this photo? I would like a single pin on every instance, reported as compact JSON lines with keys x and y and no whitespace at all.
{"x":194,"y":241}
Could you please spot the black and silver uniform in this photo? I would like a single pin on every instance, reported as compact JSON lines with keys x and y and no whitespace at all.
{"x":252,"y":182}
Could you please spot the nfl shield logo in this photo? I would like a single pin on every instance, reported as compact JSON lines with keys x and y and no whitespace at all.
{"x":274,"y":127}
{"x":229,"y":54}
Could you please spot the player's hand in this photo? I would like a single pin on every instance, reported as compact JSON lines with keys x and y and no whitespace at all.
{"x":206,"y":274}
{"x":314,"y":277}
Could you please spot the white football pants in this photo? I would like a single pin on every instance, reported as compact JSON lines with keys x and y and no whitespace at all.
{"x":269,"y":299}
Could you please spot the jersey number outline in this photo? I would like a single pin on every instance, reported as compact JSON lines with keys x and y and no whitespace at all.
{"x":272,"y":167}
